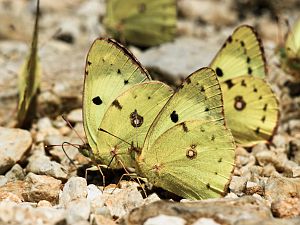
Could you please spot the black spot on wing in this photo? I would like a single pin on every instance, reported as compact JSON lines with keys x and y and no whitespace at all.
{"x":89,"y":63}
{"x":126,"y":82}
{"x":265,"y":107}
{"x":243,"y":83}
{"x":119,"y":71}
{"x":202,"y":89}
{"x":263,"y":119}
{"x":206,"y":109}
{"x":229,"y":83}
{"x":213,"y":137}
{"x":260,"y":97}
{"x":257,"y":131}
{"x":249,"y":70}
{"x":117,"y":104}
{"x":184,"y":127}
{"x":219,"y":72}
{"x":242,"y":43}
{"x":248,"y":60}
{"x":97,"y":100}
{"x":254,"y":89}
{"x":174,"y":117}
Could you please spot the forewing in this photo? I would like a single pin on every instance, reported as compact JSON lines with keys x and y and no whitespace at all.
{"x":198,"y":98}
{"x":110,"y":70}
{"x":241,"y":54}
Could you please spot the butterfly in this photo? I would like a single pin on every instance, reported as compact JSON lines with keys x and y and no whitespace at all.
{"x":177,"y":140}
{"x":141,"y":22}
{"x":29,"y":81}
{"x":251,"y":107}
{"x":290,"y":52}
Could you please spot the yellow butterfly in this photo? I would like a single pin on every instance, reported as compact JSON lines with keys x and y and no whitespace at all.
{"x":290,"y":52}
{"x":251,"y":107}
{"x":141,"y":22}
{"x":177,"y":140}
{"x":29,"y":81}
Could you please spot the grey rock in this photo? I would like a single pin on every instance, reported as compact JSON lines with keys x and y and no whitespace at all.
{"x":280,"y":141}
{"x":151,"y":198}
{"x":237,"y":184}
{"x":259,"y":148}
{"x":14,"y":144}
{"x":229,"y":211}
{"x":44,"y":203}
{"x":100,"y":220}
{"x":164,"y":219}
{"x":280,"y":188}
{"x":41,"y":187}
{"x":77,"y":210}
{"x":45,"y":128}
{"x":97,"y":201}
{"x":12,"y":213}
{"x":121,"y":201}
{"x":42,"y":165}
{"x":15,"y":173}
{"x":206,"y":221}
{"x":220,"y":14}
{"x":74,"y":189}
{"x":3,"y":180}
{"x":182,"y":57}
{"x":286,"y":208}
{"x":75,"y":116}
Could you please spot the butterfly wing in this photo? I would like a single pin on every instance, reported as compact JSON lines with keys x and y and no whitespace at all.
{"x":292,"y":44}
{"x":251,"y":109}
{"x":241,"y":54}
{"x":142,"y":22}
{"x":195,"y":162}
{"x":110,"y":70}
{"x":29,"y":81}
{"x":193,"y":120}
{"x":129,"y":118}
{"x":199,"y":98}
{"x":291,"y":55}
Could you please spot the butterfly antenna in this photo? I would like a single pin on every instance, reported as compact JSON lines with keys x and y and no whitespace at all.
{"x":70,"y":125}
{"x":62,"y":146}
{"x":105,"y":131}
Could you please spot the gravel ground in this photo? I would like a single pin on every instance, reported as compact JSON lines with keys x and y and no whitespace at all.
{"x":39,"y":185}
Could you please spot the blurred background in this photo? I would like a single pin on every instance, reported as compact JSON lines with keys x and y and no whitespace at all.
{"x":68,"y":27}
